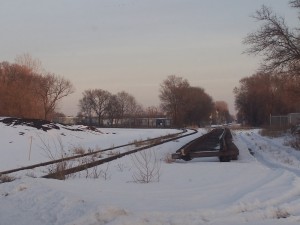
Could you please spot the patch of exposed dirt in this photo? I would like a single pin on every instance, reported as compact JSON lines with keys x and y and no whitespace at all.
{"x":45,"y":125}
{"x":38,"y":124}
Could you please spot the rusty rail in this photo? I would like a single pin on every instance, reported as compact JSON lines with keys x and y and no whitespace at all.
{"x":88,"y":154}
{"x":62,"y":174}
{"x":149,"y":143}
{"x":217,"y":143}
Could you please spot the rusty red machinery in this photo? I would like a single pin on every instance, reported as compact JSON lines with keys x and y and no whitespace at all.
{"x":216,"y":143}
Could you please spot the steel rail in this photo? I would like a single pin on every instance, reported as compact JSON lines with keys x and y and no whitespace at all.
{"x":63,"y":173}
{"x":168,"y":137}
{"x":87,"y":154}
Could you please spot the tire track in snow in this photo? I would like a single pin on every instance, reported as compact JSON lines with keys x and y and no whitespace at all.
{"x":269,"y":153}
{"x":283,"y":177}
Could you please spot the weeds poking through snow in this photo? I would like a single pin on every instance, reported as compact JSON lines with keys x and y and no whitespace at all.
{"x":79,"y":150}
{"x":294,"y":142}
{"x":281,"y":214}
{"x":104,"y":173}
{"x":137,"y":143}
{"x":5,"y":178}
{"x":147,"y":167}
{"x":273,"y":132}
{"x":31,"y":174}
{"x":121,"y":167}
{"x":96,"y":173}
{"x":168,"y":158}
{"x":57,"y":153}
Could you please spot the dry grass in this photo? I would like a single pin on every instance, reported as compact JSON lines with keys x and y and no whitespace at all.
{"x":294,"y":142}
{"x":155,"y":141}
{"x":273,"y":132}
{"x":282,"y":214}
{"x":147,"y":167}
{"x":138,"y":143}
{"x":5,"y":178}
{"x":168,"y":158}
{"x":78,"y":150}
{"x":193,"y":127}
{"x":59,"y":169}
{"x":152,"y":141}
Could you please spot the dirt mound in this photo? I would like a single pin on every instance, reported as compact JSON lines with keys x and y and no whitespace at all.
{"x":38,"y":124}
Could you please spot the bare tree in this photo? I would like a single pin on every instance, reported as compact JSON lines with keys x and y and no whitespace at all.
{"x":186,"y":105}
{"x":26,"y":93}
{"x":17,"y":97}
{"x":34,"y":65}
{"x":276,"y":42}
{"x":221,"y":114}
{"x":100,"y":100}
{"x":129,"y":108}
{"x":52,"y":89}
{"x":171,"y":97}
{"x":198,"y":106}
{"x":295,"y":3}
{"x":113,"y":109}
{"x":263,"y":94}
{"x":102,"y":103}
{"x":138,"y":110}
{"x":127,"y":103}
{"x":86,"y":105}
{"x":153,"y":111}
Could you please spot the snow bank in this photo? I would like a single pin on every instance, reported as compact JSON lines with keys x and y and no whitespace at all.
{"x":256,"y":189}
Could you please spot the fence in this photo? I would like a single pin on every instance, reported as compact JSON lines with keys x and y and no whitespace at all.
{"x":284,"y":121}
{"x":126,"y":122}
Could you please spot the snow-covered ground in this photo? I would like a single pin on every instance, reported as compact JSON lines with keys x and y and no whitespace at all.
{"x":258,"y":188}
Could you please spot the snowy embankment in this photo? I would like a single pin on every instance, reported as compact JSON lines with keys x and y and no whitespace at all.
{"x":23,"y":145}
{"x":255,"y":189}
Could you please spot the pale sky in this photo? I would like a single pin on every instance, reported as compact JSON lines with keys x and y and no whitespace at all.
{"x":133,"y":45}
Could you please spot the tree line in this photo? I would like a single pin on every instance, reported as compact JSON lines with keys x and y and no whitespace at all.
{"x":275,"y":88}
{"x":28,"y":92}
{"x":188,"y":105}
{"x":104,"y":105}
{"x":264,"y":94}
{"x":182,"y":103}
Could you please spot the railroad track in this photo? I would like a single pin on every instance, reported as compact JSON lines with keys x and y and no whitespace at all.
{"x":217,"y":143}
{"x":149,"y":143}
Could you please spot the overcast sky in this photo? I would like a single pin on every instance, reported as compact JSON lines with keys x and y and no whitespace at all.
{"x":133,"y":45}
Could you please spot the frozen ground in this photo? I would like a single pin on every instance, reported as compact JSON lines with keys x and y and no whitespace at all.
{"x":258,"y":188}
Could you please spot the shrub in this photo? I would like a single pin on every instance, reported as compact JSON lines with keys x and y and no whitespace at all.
{"x":138,"y":143}
{"x":5,"y":178}
{"x":147,"y":167}
{"x":168,"y":158}
{"x":273,"y":131}
{"x":78,"y":150}
{"x":281,"y":213}
{"x":293,"y":142}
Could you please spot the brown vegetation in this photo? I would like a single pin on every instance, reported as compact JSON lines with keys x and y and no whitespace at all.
{"x":114,"y":107}
{"x":146,"y":167}
{"x":27,"y":93}
{"x":276,"y":42}
{"x":275,"y":90}
{"x":265,"y":94}
{"x":186,"y":105}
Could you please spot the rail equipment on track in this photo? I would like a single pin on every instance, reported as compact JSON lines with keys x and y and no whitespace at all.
{"x":217,"y":143}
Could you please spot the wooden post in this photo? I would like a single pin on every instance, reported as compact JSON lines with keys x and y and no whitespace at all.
{"x":30,"y":148}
